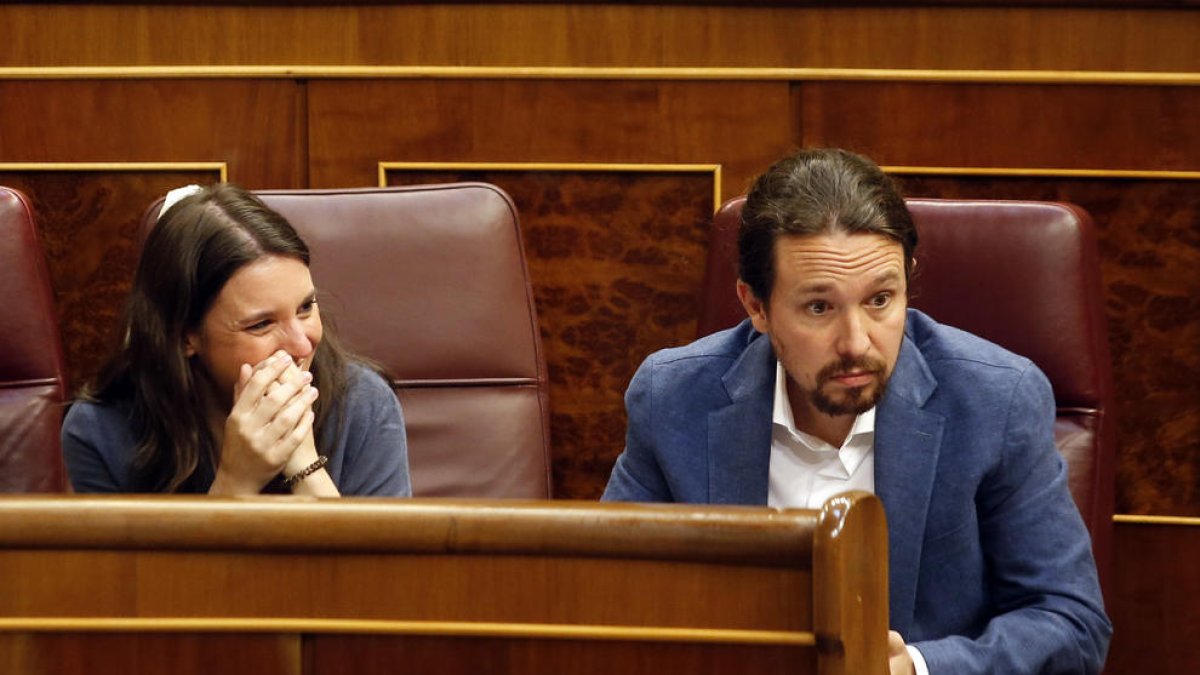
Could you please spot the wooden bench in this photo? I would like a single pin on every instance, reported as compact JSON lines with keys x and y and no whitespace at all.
{"x":280,"y":585}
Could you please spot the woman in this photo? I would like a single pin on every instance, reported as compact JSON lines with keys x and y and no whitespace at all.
{"x":215,"y":387}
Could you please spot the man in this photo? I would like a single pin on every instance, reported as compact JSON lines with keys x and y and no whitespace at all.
{"x":834,"y":384}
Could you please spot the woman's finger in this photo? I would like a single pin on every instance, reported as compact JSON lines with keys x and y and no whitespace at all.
{"x":264,"y":374}
{"x":288,"y":416}
{"x":290,"y":443}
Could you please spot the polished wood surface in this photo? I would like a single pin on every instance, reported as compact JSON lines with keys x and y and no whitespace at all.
{"x":451,"y":656}
{"x":256,"y":128}
{"x":851,"y":563}
{"x":543,"y":583}
{"x":358,"y":124}
{"x":1155,"y":600}
{"x":1005,"y":125}
{"x":561,"y":34}
{"x":667,"y":532}
{"x":149,"y":654}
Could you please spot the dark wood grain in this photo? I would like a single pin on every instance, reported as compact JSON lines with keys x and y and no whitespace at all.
{"x":149,"y":654}
{"x":285,"y":572}
{"x":356,"y":124}
{"x":989,"y":35}
{"x":1005,"y":125}
{"x":1155,"y":600}
{"x":616,"y":259}
{"x":255,"y":127}
{"x":88,"y":222}
{"x":335,"y":654}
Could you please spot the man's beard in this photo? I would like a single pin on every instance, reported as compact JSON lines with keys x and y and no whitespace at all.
{"x":853,"y":400}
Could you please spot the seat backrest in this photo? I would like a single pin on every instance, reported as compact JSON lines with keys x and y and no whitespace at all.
{"x":32,"y":368}
{"x":1025,"y":275}
{"x":431,"y":283}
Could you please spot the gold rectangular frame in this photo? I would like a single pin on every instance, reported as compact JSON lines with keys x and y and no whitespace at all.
{"x":221,"y":167}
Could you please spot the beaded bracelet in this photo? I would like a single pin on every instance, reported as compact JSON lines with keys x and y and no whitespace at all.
{"x":309,"y":470}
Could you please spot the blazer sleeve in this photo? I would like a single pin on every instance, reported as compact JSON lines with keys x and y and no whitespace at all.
{"x":1046,"y":606}
{"x":637,"y":475}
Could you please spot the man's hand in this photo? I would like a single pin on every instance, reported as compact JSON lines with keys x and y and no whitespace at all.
{"x":899,"y":660}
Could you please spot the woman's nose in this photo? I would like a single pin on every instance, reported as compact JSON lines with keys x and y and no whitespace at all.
{"x":296,"y":340}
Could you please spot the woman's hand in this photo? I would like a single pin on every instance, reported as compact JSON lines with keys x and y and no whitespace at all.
{"x":318,"y":483}
{"x":271,"y":419}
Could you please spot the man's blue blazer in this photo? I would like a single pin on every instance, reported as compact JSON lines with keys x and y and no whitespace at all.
{"x":991,"y":569}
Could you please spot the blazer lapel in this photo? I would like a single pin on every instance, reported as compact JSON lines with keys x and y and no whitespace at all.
{"x":907,"y":442}
{"x":739,"y":435}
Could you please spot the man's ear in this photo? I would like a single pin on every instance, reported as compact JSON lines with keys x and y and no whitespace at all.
{"x":754,"y":306}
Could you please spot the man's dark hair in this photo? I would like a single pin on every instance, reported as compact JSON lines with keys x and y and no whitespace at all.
{"x":818,"y":191}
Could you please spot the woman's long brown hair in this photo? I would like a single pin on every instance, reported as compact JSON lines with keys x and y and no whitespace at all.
{"x":197,"y":245}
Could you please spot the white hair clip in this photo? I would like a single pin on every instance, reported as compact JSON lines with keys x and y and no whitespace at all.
{"x":177,"y":194}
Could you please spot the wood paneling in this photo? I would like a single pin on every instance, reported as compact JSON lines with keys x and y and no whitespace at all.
{"x":88,"y":221}
{"x":616,"y":259}
{"x":578,"y":582}
{"x":1155,"y":600}
{"x":993,"y":125}
{"x":335,"y":654}
{"x":148,"y":654}
{"x":268,"y":129}
{"x":256,"y":127}
{"x":1150,"y":264}
{"x":574,"y":34}
{"x":356,"y":124}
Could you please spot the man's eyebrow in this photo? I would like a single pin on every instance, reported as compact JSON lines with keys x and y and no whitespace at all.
{"x":887,"y":275}
{"x":814,"y":287}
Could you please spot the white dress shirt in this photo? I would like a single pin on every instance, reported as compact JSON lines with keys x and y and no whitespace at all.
{"x":805,"y":470}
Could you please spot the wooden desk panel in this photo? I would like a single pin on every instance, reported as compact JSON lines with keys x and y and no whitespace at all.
{"x":149,"y":654}
{"x":364,"y":585}
{"x":350,"y":655}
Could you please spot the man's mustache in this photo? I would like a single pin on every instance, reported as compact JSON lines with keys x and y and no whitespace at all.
{"x":848,"y":365}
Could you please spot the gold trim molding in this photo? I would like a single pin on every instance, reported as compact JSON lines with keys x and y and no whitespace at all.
{"x":714,"y":169}
{"x":1040,"y":173}
{"x":221,"y":167}
{"x":1186,"y":79}
{"x":1156,"y":520}
{"x":443,"y":628}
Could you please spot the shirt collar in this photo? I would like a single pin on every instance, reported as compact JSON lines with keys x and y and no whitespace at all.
{"x":782,"y":416}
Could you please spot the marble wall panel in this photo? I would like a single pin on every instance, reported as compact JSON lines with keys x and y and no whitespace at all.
{"x":88,"y":220}
{"x":616,"y":259}
{"x":1149,"y":236}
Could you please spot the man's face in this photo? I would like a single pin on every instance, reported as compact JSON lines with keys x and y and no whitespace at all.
{"x":835,"y":318}
{"x":266,"y":306}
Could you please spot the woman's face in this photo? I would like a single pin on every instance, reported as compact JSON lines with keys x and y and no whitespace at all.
{"x":266,"y":306}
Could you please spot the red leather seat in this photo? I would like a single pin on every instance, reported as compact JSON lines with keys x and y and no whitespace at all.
{"x":32,"y":382}
{"x":1025,"y":275}
{"x":431,"y":283}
